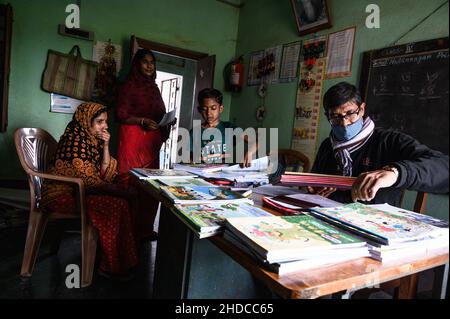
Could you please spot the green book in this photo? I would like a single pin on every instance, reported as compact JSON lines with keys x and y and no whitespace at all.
{"x":208,"y":219}
{"x":284,"y":238}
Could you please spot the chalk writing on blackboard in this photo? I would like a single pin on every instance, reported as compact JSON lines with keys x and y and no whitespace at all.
{"x":406,"y":88}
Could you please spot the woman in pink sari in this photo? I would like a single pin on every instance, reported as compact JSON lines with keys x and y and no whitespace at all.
{"x":139,"y":110}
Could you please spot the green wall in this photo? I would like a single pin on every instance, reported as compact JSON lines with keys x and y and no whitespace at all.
{"x":266,"y":23}
{"x":205,"y":26}
{"x":199,"y":25}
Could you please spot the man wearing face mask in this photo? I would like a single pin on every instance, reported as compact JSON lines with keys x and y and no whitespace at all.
{"x":385,"y":162}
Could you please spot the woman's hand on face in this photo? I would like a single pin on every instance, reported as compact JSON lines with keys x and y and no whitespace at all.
{"x":150,"y":125}
{"x":104,"y":136}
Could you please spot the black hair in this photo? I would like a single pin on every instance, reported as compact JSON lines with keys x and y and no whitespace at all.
{"x":210,"y":93}
{"x":141,"y":53}
{"x":339,"y":94}
{"x":97,"y":114}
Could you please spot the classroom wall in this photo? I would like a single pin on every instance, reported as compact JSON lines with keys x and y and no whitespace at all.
{"x":266,"y":23}
{"x":201,"y":25}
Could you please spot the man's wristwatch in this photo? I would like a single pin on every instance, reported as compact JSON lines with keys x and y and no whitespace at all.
{"x":392,"y":169}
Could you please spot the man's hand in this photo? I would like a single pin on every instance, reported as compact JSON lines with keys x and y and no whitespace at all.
{"x":367,"y":184}
{"x":104,"y":136}
{"x":150,"y":125}
{"x":322,"y":191}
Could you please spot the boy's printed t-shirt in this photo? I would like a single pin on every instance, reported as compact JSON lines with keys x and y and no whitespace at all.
{"x":215,"y":150}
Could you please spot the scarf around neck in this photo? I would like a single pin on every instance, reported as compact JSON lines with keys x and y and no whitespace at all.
{"x":343,"y":149}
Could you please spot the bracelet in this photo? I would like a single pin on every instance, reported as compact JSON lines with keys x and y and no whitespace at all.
{"x":393,"y":169}
{"x":142,"y":122}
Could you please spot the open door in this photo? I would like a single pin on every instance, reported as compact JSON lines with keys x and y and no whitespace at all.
{"x":204,"y":79}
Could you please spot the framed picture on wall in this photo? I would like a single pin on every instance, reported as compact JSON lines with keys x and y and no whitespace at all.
{"x":311,"y":15}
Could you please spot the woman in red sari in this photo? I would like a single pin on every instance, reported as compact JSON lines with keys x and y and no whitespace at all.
{"x":83,"y":152}
{"x":139,"y":110}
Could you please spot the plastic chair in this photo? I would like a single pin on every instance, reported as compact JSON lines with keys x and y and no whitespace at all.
{"x":293,"y":160}
{"x":35,"y":147}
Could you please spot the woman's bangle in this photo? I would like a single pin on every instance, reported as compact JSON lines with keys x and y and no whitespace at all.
{"x":142,"y":122}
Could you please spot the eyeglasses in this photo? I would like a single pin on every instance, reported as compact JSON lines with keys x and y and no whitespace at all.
{"x":335,"y":119}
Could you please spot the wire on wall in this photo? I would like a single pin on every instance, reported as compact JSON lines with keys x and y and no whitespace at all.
{"x":420,"y":22}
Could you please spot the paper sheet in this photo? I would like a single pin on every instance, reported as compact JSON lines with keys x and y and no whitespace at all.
{"x":63,"y":104}
{"x":167,"y":118}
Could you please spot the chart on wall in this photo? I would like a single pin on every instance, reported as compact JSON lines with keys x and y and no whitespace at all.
{"x":307,"y":108}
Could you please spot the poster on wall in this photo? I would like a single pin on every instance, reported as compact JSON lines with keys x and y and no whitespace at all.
{"x":109,"y":53}
{"x":109,"y":58}
{"x":307,"y":108}
{"x":253,"y":76}
{"x":340,"y":53}
{"x":289,"y":62}
{"x":273,"y":57}
{"x":63,"y":104}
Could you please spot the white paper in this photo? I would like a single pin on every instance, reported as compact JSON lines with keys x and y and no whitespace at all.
{"x":340,"y":53}
{"x":316,"y":199}
{"x":63,"y":104}
{"x":258,"y":165}
{"x":167,"y":118}
{"x":289,"y":62}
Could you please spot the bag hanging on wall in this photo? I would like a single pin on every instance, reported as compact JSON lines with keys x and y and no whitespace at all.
{"x":69,"y":74}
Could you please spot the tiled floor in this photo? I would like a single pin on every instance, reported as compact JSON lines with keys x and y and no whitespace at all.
{"x":49,"y":276}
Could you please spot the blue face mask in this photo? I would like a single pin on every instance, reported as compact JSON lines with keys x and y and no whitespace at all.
{"x":345,"y":133}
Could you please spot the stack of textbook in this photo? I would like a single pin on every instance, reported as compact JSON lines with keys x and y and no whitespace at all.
{"x":208,"y":219}
{"x":391,"y":232}
{"x":292,"y":243}
{"x":315,"y":180}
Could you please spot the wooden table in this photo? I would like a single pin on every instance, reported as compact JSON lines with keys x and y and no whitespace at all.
{"x":188,"y":267}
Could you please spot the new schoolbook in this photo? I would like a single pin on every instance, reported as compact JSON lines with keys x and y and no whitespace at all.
{"x":385,"y":227}
{"x":208,"y":219}
{"x":149,"y":173}
{"x":186,"y":181}
{"x":203,"y":194}
{"x":284,"y":238}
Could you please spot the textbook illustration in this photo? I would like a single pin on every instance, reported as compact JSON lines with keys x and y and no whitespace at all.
{"x":149,"y":173}
{"x":282,"y":238}
{"x":388,"y":226}
{"x":197,"y":194}
{"x":211,"y":217}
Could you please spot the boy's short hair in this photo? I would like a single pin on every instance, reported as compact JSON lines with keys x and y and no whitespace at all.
{"x":339,"y":94}
{"x":210,"y":93}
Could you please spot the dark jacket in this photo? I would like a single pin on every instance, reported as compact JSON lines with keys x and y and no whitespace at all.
{"x":420,"y":168}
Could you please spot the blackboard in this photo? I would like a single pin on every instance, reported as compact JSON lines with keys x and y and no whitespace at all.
{"x":406,"y":87}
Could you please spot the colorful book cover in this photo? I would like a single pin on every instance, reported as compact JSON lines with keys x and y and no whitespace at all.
{"x":388,"y":227}
{"x":198,"y":194}
{"x":282,"y":238}
{"x":211,"y":217}
{"x":189,"y":182}
{"x":148,"y":173}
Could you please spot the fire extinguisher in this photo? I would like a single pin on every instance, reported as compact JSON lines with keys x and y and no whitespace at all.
{"x":234,"y":75}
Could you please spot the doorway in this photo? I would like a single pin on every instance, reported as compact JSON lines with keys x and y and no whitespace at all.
{"x":171,"y":86}
{"x":187,"y":72}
